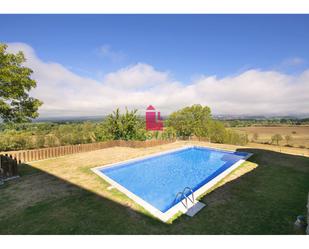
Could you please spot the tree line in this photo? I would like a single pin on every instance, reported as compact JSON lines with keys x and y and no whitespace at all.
{"x":271,"y":122}
{"x":193,"y":121}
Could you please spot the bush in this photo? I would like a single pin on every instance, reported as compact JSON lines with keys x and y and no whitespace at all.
{"x":217,"y":132}
{"x":276,"y":139}
{"x":288,"y":139}
{"x":255,"y":137}
{"x":232,"y":137}
{"x":52,"y":140}
{"x":39,"y":141}
{"x":169,"y":133}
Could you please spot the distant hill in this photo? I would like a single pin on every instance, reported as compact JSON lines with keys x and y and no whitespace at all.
{"x":70,"y":119}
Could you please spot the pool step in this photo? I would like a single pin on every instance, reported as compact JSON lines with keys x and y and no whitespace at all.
{"x":193,"y":210}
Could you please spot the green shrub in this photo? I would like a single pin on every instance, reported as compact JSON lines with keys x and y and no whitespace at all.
{"x":276,"y":139}
{"x":169,"y":133}
{"x":40,"y":141}
{"x":52,"y":140}
{"x":288,"y":139}
{"x":255,"y":137}
{"x":125,"y":126}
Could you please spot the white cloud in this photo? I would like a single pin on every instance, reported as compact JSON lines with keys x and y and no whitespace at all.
{"x":115,"y":56}
{"x":136,"y":86}
{"x":293,"y":61}
{"x":139,"y":76}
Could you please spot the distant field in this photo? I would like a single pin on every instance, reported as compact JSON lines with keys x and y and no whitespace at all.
{"x":300,"y":134}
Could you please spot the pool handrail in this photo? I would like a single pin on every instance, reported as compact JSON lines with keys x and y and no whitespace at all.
{"x":182,"y":193}
{"x":192,"y":193}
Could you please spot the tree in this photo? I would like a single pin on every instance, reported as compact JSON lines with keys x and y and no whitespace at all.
{"x":192,"y":120}
{"x":15,"y":83}
{"x":288,"y":139}
{"x":276,"y":138}
{"x":255,"y":137}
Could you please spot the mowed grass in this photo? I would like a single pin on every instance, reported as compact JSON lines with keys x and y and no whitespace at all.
{"x":63,"y":196}
{"x":300,"y":134}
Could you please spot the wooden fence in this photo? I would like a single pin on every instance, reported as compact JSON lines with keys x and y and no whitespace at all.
{"x":8,"y":167}
{"x":45,"y":153}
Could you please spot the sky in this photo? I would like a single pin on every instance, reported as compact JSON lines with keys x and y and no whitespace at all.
{"x":88,"y":65}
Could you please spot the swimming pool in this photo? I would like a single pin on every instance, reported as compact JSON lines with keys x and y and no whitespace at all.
{"x":154,"y":181}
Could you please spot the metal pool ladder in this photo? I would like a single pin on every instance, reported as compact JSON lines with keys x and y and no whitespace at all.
{"x":186,"y":198}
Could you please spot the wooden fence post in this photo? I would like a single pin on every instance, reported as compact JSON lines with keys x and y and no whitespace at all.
{"x":27,"y":155}
{"x":30,"y":155}
{"x":14,"y":168}
{"x":24,"y":156}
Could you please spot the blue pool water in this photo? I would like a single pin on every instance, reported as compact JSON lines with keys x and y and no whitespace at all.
{"x":158,"y":179}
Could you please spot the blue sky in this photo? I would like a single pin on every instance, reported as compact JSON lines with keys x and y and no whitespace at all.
{"x":186,"y":47}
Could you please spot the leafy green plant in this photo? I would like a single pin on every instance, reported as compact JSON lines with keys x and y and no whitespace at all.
{"x":125,"y":126}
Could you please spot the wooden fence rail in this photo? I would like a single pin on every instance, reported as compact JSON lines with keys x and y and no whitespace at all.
{"x":45,"y":153}
{"x":8,"y":167}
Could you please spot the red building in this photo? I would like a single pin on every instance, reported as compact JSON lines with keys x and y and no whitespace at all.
{"x":153,"y":119}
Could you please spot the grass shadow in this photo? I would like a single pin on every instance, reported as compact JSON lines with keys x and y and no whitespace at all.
{"x":41,"y":203}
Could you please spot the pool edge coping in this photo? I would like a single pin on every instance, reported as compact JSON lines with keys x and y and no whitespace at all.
{"x":166,"y":216}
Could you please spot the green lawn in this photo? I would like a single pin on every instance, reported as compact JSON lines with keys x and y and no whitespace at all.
{"x":263,"y":201}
